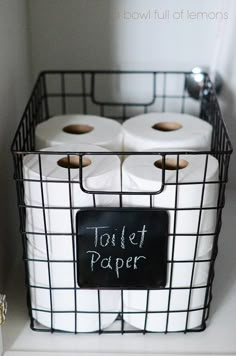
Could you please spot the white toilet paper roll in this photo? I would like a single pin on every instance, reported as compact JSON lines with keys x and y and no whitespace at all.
{"x":157,"y":319}
{"x":87,"y":306}
{"x":79,"y":129}
{"x":144,"y":173}
{"x":101,"y":172}
{"x":166,"y":131}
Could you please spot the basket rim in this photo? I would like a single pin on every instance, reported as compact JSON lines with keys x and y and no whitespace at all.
{"x":93,"y":72}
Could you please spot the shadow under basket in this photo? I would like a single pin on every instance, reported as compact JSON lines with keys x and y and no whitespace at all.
{"x":58,"y":297}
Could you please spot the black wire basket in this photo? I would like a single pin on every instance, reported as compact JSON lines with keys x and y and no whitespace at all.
{"x":97,"y":92}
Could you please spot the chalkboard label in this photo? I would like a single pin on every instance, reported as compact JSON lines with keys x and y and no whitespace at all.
{"x":122,"y":248}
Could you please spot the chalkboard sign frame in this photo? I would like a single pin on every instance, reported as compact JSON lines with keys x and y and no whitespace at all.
{"x":152,"y":277}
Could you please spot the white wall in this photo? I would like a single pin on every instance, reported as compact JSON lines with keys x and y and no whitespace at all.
{"x":96,"y":34}
{"x":80,"y":33}
{"x":14,"y":90}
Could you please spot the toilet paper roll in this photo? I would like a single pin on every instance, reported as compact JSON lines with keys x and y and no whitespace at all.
{"x":100,"y":172}
{"x":157,"y":319}
{"x":166,"y":131}
{"x":79,"y":129}
{"x":143,"y":173}
{"x":87,"y":307}
{"x":85,"y":310}
{"x":187,"y":219}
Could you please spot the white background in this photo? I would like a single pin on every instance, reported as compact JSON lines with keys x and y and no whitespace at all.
{"x":96,"y":34}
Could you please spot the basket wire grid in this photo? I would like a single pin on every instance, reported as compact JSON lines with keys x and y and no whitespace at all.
{"x":65,"y":92}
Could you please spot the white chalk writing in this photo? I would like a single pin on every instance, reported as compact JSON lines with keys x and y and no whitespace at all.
{"x":114,"y":263}
{"x":105,"y":236}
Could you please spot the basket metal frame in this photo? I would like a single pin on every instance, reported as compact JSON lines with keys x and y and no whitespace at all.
{"x":38,"y":110}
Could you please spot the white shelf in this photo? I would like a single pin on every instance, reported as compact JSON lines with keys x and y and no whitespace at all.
{"x":219,"y":337}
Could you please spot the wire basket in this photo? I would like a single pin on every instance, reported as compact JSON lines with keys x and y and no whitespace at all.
{"x":98,"y":92}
